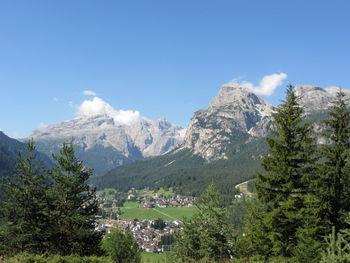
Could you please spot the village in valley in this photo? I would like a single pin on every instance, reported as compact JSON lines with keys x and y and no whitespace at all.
{"x":153,"y":217}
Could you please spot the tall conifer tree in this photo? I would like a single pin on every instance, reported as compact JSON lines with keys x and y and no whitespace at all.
{"x":24,"y":210}
{"x":289,"y":168}
{"x":334,"y":188}
{"x":74,"y":206}
{"x":206,"y":236}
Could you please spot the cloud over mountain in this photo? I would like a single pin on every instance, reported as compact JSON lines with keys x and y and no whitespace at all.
{"x":268,"y":84}
{"x":97,"y":106}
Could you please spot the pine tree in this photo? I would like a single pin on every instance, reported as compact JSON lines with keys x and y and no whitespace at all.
{"x":338,"y":245}
{"x":289,"y":170}
{"x":255,"y":243}
{"x":310,"y":234}
{"x":24,"y":210}
{"x":334,"y":189}
{"x":206,"y":235}
{"x":121,"y":247}
{"x":74,"y":206}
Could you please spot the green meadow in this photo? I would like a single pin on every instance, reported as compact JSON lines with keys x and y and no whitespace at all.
{"x":131,"y":210}
{"x":148,"y":257}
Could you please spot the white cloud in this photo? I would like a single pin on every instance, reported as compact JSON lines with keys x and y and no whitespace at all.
{"x":97,"y":106}
{"x":89,"y":93}
{"x":268,"y":84}
{"x":55,"y":99}
{"x":42,"y":125}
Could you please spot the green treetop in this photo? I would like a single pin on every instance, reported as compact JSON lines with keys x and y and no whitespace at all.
{"x":24,"y":208}
{"x":334,"y":189}
{"x":74,"y":206}
{"x":289,"y":169}
{"x":206,"y":235}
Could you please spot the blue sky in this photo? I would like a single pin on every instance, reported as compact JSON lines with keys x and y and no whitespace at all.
{"x":161,"y":58}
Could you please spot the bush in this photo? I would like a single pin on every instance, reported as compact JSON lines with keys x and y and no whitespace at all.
{"x":31,"y":258}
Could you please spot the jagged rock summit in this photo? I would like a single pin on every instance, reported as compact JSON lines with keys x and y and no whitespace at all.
{"x":314,"y":98}
{"x":100,"y":139}
{"x":237,"y":111}
{"x":234,"y":111}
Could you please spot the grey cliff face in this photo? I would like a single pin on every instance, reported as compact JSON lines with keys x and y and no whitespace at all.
{"x":235,"y":110}
{"x":313,"y":98}
{"x":141,"y":139}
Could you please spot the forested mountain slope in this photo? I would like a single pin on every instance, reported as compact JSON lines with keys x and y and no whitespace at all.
{"x":9,"y":149}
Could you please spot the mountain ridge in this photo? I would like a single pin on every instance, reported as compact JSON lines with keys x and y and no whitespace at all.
{"x":105,"y":144}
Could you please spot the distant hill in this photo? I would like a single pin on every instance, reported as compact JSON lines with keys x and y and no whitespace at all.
{"x":9,"y":149}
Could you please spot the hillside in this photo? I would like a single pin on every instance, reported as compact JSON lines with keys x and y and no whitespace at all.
{"x":9,"y":149}
{"x":186,"y":172}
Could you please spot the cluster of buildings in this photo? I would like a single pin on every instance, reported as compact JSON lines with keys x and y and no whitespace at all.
{"x":147,"y":201}
{"x":175,"y":201}
{"x":148,"y":238}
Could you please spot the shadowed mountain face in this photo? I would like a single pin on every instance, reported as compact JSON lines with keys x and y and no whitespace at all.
{"x":223,"y":143}
{"x":9,"y":149}
{"x":104,"y":144}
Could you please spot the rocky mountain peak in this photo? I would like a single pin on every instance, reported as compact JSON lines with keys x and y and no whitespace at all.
{"x":238,"y":111}
{"x":232,"y":93}
{"x":235,"y":110}
{"x":314,"y":98}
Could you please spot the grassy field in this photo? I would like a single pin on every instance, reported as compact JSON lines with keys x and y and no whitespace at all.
{"x":178,"y":212}
{"x":129,"y":205}
{"x":147,"y":257}
{"x":131,"y":210}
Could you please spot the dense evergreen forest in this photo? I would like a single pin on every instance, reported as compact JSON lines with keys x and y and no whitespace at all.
{"x":187,"y":173}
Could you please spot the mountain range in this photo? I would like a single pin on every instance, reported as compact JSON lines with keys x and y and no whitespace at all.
{"x":222,"y":143}
{"x":104,"y":144}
